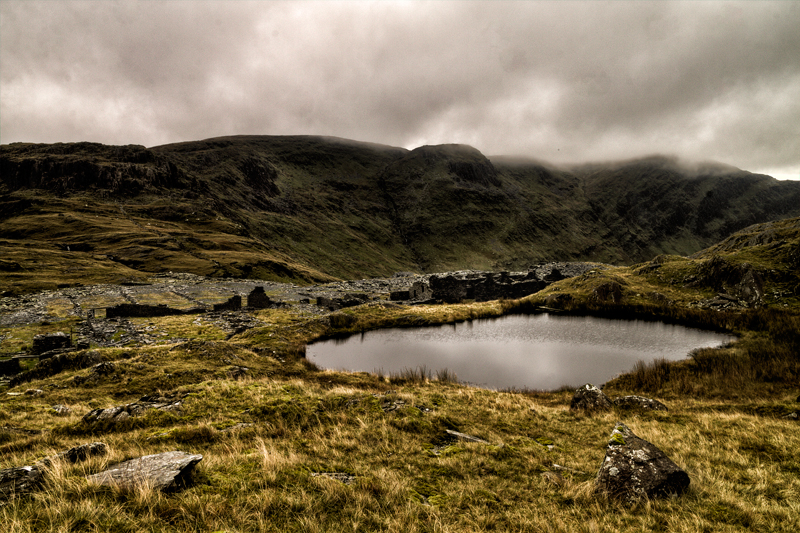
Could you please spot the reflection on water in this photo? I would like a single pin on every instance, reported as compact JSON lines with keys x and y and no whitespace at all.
{"x":520,"y":351}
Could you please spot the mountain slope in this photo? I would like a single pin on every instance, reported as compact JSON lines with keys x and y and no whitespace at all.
{"x":306,"y":208}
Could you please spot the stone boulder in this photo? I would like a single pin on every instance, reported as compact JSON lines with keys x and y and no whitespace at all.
{"x":19,"y":481}
{"x":113,"y":415}
{"x":58,"y":363}
{"x":558,"y":300}
{"x":634,"y":469}
{"x":610,"y":291}
{"x":589,"y":399}
{"x":166,"y":472}
{"x":23,"y":480}
{"x":639,"y":402}
{"x":77,"y":454}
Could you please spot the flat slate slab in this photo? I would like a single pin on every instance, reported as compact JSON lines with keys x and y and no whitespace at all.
{"x":164,"y":471}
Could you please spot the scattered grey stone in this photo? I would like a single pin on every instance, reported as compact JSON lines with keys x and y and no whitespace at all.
{"x":76,"y":454}
{"x":61,"y":410}
{"x":639,"y":402}
{"x":164,"y":471}
{"x":560,"y":468}
{"x":104,"y":369}
{"x":589,"y":399}
{"x":22,"y":480}
{"x":58,"y":363}
{"x":338,"y":476}
{"x":634,"y":469}
{"x":24,"y":431}
{"x":464,"y":436}
{"x":792,"y":416}
{"x":238,"y":372}
{"x":123,"y":412}
{"x":19,"y":481}
{"x":553,"y":478}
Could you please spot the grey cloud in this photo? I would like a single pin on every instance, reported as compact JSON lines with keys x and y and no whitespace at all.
{"x":559,"y":81}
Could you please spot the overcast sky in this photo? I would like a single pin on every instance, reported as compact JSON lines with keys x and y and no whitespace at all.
{"x":557,"y":81}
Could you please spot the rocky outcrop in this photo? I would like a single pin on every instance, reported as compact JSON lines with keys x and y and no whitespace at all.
{"x":638,"y":402}
{"x":166,"y":472}
{"x":608,"y":292}
{"x":59,"y":363}
{"x":64,"y":167}
{"x":740,"y":284}
{"x":589,"y":399}
{"x":113,"y":415}
{"x":77,"y":454}
{"x":19,"y":481}
{"x":23,"y":480}
{"x":634,"y":469}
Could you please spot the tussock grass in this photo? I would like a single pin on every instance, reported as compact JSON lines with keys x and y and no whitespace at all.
{"x":743,"y":466}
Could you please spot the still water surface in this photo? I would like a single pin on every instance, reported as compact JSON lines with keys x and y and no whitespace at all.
{"x":520,"y":351}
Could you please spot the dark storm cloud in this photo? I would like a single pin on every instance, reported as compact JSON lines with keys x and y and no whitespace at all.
{"x":556,"y":81}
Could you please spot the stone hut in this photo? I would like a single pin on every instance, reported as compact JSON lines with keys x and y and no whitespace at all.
{"x":258,"y":299}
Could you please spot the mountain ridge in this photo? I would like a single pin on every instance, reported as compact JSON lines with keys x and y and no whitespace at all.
{"x":313,"y":208}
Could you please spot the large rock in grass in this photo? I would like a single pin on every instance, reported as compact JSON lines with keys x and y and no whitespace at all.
{"x":112,"y":415}
{"x":589,"y":399}
{"x":23,"y":480}
{"x":167,"y":471}
{"x":634,"y":469}
{"x":639,"y":402}
{"x":19,"y":481}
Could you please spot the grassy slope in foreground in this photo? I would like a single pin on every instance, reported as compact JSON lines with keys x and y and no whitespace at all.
{"x":724,"y":430}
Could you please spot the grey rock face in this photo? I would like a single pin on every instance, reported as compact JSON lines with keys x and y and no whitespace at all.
{"x":23,"y":480}
{"x":61,"y":410}
{"x":19,"y":481}
{"x":634,"y":469}
{"x":58,"y":363}
{"x":76,"y":454}
{"x":589,"y":399}
{"x":639,"y":402}
{"x":465,"y":437}
{"x":164,"y":471}
{"x":123,"y":412}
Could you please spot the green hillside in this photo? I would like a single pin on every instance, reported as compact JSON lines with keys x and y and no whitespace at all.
{"x":305,"y":209}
